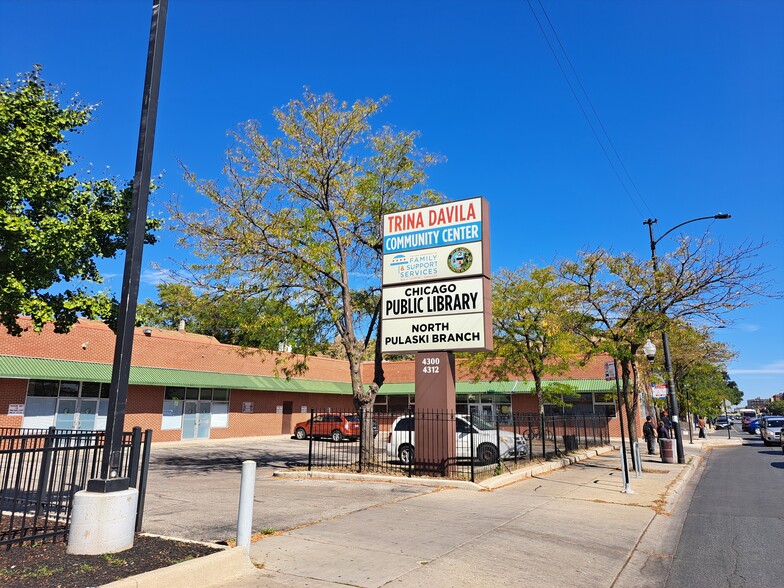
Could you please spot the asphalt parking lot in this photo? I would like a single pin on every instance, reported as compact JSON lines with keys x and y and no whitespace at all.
{"x":193,"y":488}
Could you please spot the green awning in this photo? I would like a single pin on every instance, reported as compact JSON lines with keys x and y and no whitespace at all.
{"x":509,"y":387}
{"x":57,"y":369}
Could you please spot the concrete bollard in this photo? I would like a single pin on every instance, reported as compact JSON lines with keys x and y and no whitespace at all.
{"x":245,"y":514}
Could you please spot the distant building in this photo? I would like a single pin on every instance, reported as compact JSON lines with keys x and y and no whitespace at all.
{"x":757,"y":403}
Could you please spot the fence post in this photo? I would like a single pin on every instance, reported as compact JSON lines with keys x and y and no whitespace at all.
{"x":555,"y":438}
{"x":411,"y":425}
{"x":142,"y":489}
{"x":361,"y":436}
{"x":43,"y":474}
{"x":310,"y":440}
{"x":133,"y":458}
{"x":585,"y":432}
{"x":543,"y":435}
{"x":514,"y":435}
{"x":530,"y":439}
{"x":471,"y":442}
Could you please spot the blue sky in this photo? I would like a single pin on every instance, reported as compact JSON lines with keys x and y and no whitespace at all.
{"x":691,"y":94}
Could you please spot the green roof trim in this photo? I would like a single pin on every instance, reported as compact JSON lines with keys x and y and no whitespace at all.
{"x":58,"y":369}
{"x":509,"y":387}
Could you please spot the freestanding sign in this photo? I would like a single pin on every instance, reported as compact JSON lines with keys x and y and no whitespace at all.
{"x":436,"y":285}
{"x":436,"y":300}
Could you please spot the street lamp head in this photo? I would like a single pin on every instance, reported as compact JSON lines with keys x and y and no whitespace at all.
{"x":722,"y":216}
{"x":649,"y":349}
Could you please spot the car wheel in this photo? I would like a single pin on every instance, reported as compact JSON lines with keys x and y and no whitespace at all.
{"x":406,"y":453}
{"x":487,"y":453}
{"x":300,"y":433}
{"x":782,"y":448}
{"x":337,"y":436}
{"x":755,"y":431}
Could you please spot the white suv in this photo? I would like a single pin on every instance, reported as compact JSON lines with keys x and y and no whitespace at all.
{"x":486,"y":440}
{"x":770,"y":429}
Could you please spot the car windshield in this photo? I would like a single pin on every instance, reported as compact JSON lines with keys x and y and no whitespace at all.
{"x":352,"y":418}
{"x":775,"y":423}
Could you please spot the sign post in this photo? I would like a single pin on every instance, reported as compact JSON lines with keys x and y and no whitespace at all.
{"x":436,"y":299}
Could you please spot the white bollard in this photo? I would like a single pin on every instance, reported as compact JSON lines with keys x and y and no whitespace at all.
{"x":245,"y":515}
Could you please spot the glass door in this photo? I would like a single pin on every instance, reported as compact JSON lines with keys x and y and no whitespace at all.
{"x":86,"y":419}
{"x":189,"y":419}
{"x":203,"y":420}
{"x":66,"y":413}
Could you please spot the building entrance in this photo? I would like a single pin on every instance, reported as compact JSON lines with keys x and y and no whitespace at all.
{"x":196,"y":419}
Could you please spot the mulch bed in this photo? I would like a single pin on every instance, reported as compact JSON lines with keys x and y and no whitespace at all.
{"x":49,"y":566}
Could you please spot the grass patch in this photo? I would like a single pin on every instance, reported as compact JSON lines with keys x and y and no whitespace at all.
{"x":110,"y":559}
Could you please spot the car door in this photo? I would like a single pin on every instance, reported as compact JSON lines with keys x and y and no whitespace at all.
{"x":463,"y":433}
{"x":317,"y":426}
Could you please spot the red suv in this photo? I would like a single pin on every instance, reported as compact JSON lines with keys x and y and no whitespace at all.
{"x":335,"y":426}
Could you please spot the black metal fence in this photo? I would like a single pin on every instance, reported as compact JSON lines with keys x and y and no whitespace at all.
{"x":42,"y":469}
{"x":417,"y":443}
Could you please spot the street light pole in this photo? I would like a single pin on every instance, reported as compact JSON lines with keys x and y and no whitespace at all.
{"x":676,"y":425}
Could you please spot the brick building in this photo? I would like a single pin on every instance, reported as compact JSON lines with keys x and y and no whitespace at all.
{"x":188,"y":386}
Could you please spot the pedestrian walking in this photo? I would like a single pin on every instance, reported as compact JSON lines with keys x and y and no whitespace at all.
{"x":649,"y":433}
{"x":701,"y":427}
{"x":661,"y":431}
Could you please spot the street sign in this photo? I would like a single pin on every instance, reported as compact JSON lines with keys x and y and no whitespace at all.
{"x":609,"y":370}
{"x":659,"y":390}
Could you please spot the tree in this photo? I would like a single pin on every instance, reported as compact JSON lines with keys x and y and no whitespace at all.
{"x":776,"y":407}
{"x":299,"y":217}
{"x":533,"y":331}
{"x":248,"y":322}
{"x":53,"y":224}
{"x":711,"y":387}
{"x":625,"y":301}
{"x":693,"y":349}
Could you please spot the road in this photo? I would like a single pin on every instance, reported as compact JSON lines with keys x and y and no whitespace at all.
{"x":733,"y":534}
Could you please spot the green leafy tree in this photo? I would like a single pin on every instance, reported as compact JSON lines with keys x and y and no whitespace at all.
{"x":248,"y":322}
{"x":691,"y":348}
{"x":624,"y":301}
{"x":54,"y":224}
{"x":533,"y":331}
{"x":299,"y":217}
{"x":710,"y":387}
{"x":776,"y":407}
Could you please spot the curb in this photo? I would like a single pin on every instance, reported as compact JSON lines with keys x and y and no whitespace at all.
{"x":216,"y":569}
{"x":492,"y":483}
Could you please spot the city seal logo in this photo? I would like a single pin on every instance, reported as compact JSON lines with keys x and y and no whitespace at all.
{"x":459,"y":260}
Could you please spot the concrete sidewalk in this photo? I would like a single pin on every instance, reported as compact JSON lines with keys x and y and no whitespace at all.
{"x":570,"y":527}
{"x":558,"y":523}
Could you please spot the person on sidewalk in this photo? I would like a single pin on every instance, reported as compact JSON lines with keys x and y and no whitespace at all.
{"x":661,"y":431}
{"x":701,"y":427}
{"x":650,"y":435}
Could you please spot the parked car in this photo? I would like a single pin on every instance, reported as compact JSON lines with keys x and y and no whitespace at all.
{"x":770,"y":429}
{"x":489,"y":443}
{"x":335,"y":426}
{"x":752,"y":427}
{"x":781,"y":439}
{"x":722,"y":422}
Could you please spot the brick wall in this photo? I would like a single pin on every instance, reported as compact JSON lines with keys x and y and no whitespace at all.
{"x":12,"y":391}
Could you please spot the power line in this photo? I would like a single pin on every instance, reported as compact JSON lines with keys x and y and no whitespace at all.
{"x":592,"y":108}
